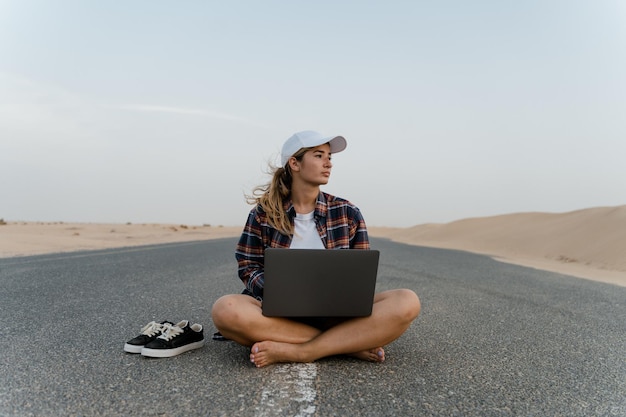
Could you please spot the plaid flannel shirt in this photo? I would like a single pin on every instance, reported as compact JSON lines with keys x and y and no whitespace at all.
{"x":339,"y":223}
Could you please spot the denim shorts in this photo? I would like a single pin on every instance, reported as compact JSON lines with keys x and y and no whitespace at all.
{"x":321,"y":323}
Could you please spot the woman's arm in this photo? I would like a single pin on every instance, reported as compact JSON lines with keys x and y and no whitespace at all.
{"x":250,"y":254}
{"x":358,"y":230}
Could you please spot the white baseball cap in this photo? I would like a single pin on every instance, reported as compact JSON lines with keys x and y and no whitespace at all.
{"x":310,"y":139}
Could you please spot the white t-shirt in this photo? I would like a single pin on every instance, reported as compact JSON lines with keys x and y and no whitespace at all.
{"x":305,"y":235}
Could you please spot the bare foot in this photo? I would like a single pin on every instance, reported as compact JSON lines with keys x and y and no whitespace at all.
{"x":372,"y":355}
{"x":268,"y":352}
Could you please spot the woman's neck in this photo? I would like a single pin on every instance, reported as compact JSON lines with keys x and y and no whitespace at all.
{"x":304,"y":199}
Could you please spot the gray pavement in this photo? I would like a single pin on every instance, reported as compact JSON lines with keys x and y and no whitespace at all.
{"x":493,"y":340}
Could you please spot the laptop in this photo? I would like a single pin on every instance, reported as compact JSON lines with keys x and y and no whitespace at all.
{"x":319,"y":282}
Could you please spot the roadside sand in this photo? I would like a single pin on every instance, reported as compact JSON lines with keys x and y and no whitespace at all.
{"x":589,"y":243}
{"x":34,"y":238}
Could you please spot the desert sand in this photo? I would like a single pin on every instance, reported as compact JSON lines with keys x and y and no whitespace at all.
{"x":35,"y":238}
{"x":588,"y":243}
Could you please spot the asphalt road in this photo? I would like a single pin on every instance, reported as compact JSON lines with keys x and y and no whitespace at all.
{"x":493,"y":340}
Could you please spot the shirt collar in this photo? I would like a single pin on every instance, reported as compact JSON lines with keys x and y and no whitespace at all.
{"x":321,"y":206}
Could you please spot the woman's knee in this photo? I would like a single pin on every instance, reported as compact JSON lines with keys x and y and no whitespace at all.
{"x":224,"y":309}
{"x":234,"y":311}
{"x":404,"y":304}
{"x":409,"y":304}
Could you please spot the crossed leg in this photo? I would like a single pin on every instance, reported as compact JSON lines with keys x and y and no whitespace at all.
{"x":239,"y":318}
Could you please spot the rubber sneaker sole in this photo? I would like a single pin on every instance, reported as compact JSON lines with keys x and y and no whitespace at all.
{"x":168,"y":353}
{"x":132,"y":348}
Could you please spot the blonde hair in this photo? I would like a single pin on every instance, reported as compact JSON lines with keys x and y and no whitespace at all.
{"x":271,"y":197}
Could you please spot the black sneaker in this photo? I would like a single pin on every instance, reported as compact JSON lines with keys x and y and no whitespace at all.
{"x":175,"y":340}
{"x":149,"y":332}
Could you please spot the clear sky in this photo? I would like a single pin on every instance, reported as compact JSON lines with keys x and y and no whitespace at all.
{"x":164,"y":111}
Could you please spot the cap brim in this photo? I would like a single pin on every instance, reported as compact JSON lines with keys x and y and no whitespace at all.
{"x":337,"y":144}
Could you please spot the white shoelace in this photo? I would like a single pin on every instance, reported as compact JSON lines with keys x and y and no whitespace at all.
{"x":152,"y":328}
{"x":170,"y":332}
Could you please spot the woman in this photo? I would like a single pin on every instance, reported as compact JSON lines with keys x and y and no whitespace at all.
{"x":292,"y":212}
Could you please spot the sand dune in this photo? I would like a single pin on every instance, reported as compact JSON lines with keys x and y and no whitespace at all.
{"x":589,"y":243}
